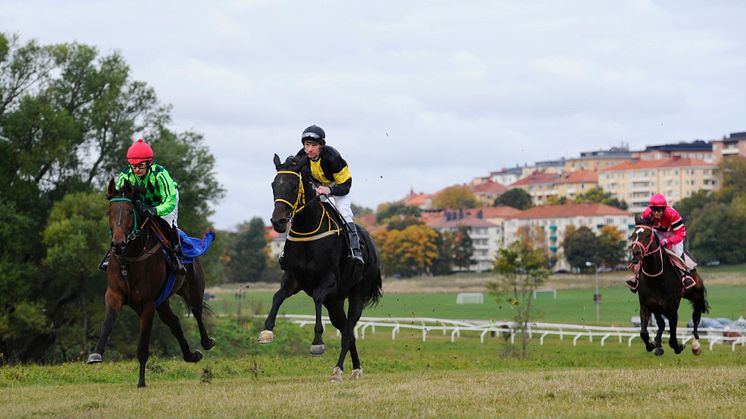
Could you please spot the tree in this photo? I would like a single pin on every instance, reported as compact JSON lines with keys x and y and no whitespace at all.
{"x":600,"y":196}
{"x":443,"y":262}
{"x":463,"y":248}
{"x":395,"y":210}
{"x":580,"y":246}
{"x":516,"y":198}
{"x":520,"y":268}
{"x":359,"y":210}
{"x":718,"y":232}
{"x":248,"y":252}
{"x":611,"y":246}
{"x":408,"y":252}
{"x":455,"y":197}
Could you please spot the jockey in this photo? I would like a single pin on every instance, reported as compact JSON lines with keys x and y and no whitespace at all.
{"x":159,"y":196}
{"x":669,"y":226}
{"x":329,"y":169}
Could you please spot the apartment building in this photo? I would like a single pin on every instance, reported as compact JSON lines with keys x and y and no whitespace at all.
{"x":506,"y":176}
{"x":698,"y":149}
{"x":487,"y":192}
{"x":486,"y":236}
{"x":733,"y":145}
{"x":594,"y":161}
{"x":676,"y":178}
{"x":553,"y":220}
{"x":542,"y":186}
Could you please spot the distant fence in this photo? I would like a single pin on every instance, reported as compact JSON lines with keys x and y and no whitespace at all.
{"x":574,"y":332}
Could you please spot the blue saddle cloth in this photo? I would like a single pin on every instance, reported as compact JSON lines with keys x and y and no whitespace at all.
{"x":191,"y":248}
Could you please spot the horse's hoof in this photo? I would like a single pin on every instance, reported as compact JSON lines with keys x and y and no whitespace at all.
{"x":680,"y":349}
{"x":266,"y":336}
{"x":336,"y":375}
{"x":696,"y":348}
{"x":208,"y":344}
{"x":318,"y":349}
{"x":140,"y":385}
{"x":356,"y":374}
{"x":649,"y":348}
{"x":196,"y":356}
{"x":658,"y":351}
{"x":94,"y":358}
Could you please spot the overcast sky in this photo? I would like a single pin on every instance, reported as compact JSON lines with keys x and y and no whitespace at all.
{"x":416,"y":94}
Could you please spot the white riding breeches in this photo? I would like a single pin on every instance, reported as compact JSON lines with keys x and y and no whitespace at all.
{"x":172,"y":218}
{"x":344,"y":206}
{"x":677,"y":248}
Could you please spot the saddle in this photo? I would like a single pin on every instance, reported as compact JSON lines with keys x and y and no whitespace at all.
{"x":685,"y":263}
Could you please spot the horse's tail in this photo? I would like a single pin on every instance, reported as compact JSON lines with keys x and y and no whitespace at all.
{"x":376,"y":291}
{"x":206,"y":309}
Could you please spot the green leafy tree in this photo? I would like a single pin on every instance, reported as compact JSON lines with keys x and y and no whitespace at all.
{"x":463,"y":248}
{"x":718,"y":232}
{"x":443,"y":262}
{"x":248,"y":252}
{"x":521,"y":268}
{"x":611,"y":246}
{"x":580,"y":246}
{"x":598,"y":195}
{"x":516,"y":198}
{"x":455,"y":197}
{"x":388,"y":211}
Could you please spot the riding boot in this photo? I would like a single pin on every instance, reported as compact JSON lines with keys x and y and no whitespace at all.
{"x":633,"y":282}
{"x":176,"y":255}
{"x":104,"y":265}
{"x":355,"y":254}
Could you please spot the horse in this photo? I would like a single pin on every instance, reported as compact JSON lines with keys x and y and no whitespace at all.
{"x":137,"y":276}
{"x":316,"y":262}
{"x":660,"y":290}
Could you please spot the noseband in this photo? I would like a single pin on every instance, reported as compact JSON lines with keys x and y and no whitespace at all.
{"x":646,"y":251}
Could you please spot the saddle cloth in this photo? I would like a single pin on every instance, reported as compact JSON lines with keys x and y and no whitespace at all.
{"x":686,"y":264}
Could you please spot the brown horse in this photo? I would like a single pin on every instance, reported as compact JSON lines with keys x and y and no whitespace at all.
{"x":660,"y":290}
{"x":137,"y":275}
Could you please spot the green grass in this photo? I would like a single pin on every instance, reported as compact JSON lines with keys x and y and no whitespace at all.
{"x":571,"y":306}
{"x":403,"y":378}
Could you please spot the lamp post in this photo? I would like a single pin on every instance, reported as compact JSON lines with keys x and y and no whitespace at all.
{"x":596,"y":296}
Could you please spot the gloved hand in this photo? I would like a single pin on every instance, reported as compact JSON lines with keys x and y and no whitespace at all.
{"x":148,"y":211}
{"x":664,"y":242}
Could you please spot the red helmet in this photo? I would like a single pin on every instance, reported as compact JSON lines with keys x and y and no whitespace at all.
{"x":658,"y":200}
{"x":139,"y":152}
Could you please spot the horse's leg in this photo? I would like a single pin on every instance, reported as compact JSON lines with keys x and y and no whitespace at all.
{"x":146,"y":314}
{"x":193,"y":293}
{"x":659,"y":333}
{"x":325,"y":287}
{"x":336,"y":309}
{"x":357,"y":370}
{"x":168,"y":317}
{"x":114,"y":303}
{"x":288,"y":287}
{"x":673,"y":342}
{"x":644,"y":320}
{"x":354,"y":310}
{"x":699,"y":305}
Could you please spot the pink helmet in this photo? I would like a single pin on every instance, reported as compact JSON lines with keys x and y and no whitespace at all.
{"x":139,"y":152}
{"x":658,"y":200}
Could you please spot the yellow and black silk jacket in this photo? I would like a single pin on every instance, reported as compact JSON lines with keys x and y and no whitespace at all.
{"x":330,"y":169}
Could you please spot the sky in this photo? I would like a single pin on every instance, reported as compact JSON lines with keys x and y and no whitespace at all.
{"x":416,"y":95}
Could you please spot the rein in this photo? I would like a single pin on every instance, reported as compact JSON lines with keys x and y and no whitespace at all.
{"x":332,"y":227}
{"x":645,"y":250}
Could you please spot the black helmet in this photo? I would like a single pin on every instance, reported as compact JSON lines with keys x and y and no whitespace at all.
{"x":313,"y":133}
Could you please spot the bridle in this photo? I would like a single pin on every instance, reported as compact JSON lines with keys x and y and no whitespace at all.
{"x":298,"y":206}
{"x":645,"y":249}
{"x":135,"y":230}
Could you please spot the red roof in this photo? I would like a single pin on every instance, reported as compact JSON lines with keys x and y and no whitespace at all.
{"x":415,"y":199}
{"x":533,"y":179}
{"x":570,"y":210}
{"x":655,"y":164}
{"x":489,"y":187}
{"x":502,"y":211}
{"x":538,"y":178}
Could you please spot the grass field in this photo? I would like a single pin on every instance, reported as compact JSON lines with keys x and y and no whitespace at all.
{"x":407,"y":377}
{"x":403,"y":378}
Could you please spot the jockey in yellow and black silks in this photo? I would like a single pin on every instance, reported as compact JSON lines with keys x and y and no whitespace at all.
{"x":330,"y":170}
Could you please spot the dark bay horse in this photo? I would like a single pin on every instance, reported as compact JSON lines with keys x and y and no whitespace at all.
{"x":316,"y":262}
{"x":660,"y":290}
{"x":137,"y":274}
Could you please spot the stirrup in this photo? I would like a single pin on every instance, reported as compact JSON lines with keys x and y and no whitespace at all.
{"x":688,"y":282}
{"x":632,"y":283}
{"x":357,"y":259}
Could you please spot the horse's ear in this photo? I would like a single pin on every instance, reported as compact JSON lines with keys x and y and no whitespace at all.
{"x":276,"y":160}
{"x":127,"y":188}
{"x":112,"y":188}
{"x":648,"y":221}
{"x":638,"y":219}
